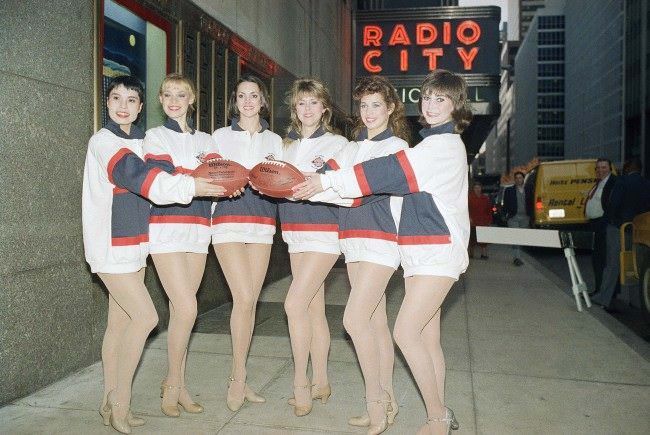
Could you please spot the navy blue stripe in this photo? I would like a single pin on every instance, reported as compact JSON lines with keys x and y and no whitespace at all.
{"x":385,"y":175}
{"x":250,"y":203}
{"x":129,"y":215}
{"x":135,"y":132}
{"x":373,"y":216}
{"x":421,"y":217}
{"x":448,"y":127}
{"x":307,"y":213}
{"x":198,"y":207}
{"x":130,"y":172}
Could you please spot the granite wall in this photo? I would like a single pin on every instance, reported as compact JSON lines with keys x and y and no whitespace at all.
{"x":52,"y":310}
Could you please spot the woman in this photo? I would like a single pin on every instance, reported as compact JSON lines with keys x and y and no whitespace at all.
{"x":243,"y":227}
{"x":311,"y":232}
{"x":480,"y":214}
{"x":368,"y":238}
{"x":115,"y":217}
{"x":434,"y":228}
{"x":179,"y":236}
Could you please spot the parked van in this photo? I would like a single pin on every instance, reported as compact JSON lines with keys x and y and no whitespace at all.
{"x":560,"y":191}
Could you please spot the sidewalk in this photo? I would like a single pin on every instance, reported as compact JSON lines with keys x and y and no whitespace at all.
{"x":520,"y":360}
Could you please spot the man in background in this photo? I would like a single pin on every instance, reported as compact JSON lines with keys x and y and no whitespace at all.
{"x":519,"y":211}
{"x":596,"y":211}
{"x":630,"y":197}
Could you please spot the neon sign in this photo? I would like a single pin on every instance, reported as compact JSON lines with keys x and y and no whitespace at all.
{"x":418,"y":46}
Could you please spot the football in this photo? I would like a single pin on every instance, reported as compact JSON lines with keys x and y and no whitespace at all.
{"x":227,"y":173}
{"x":275,"y":178}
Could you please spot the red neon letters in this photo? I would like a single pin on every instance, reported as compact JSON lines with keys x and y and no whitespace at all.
{"x":466,"y":33}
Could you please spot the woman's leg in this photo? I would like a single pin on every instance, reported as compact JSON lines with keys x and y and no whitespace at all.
{"x":309,"y":270}
{"x":196,"y":264}
{"x":431,"y":339}
{"x":174,"y":272}
{"x":258,"y":260}
{"x":319,"y":347}
{"x":368,"y":286}
{"x":129,"y":292}
{"x":234,"y":261}
{"x":381,"y":332}
{"x":118,"y":320}
{"x":424,"y":296}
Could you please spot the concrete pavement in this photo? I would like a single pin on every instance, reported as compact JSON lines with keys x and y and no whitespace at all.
{"x":520,"y":360}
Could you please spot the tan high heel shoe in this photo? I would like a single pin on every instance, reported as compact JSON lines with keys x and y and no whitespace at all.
{"x":133,"y":421}
{"x":167,"y":392}
{"x":447,"y":419}
{"x":364,"y":420}
{"x":191,"y":406}
{"x":322,"y":393}
{"x":252,"y":396}
{"x":119,"y":424}
{"x":301,"y":411}
{"x":376,"y":429}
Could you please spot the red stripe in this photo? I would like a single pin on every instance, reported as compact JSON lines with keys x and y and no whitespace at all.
{"x":356,"y":202}
{"x":361,"y":179}
{"x":165,"y":157}
{"x":182,"y":170}
{"x":173,"y":219}
{"x":408,"y":171}
{"x":367,"y":234}
{"x":129,"y":241}
{"x":424,"y":240}
{"x":148,"y":181}
{"x":119,"y":190}
{"x":332,"y":163}
{"x":310,"y":227}
{"x":243,"y":220}
{"x":211,"y":156}
{"x":116,"y":158}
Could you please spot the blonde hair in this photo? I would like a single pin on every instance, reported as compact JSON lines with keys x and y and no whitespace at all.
{"x":453,"y":87}
{"x":315,"y":88}
{"x":380,"y":85}
{"x":182,"y":80}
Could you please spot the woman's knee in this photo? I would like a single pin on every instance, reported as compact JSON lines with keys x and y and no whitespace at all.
{"x":294,"y":306}
{"x":186,"y":311}
{"x":244,"y":300}
{"x":404,"y":333}
{"x":354,"y":323}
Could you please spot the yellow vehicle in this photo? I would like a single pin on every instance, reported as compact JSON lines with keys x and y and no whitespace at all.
{"x":560,"y":191}
{"x":635,"y":263}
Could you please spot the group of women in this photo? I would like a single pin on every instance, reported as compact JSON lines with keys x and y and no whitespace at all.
{"x":374,"y":199}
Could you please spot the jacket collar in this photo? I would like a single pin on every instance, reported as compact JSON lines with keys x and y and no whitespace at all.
{"x":440,"y":129}
{"x":234,"y":124}
{"x":363,"y":135}
{"x":174,"y":126}
{"x":113,"y":127}
{"x":294,"y":135}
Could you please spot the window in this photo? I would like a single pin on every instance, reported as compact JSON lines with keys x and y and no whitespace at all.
{"x":551,"y":38}
{"x":550,"y":70}
{"x":550,"y":85}
{"x":553,"y":117}
{"x":550,"y":133}
{"x":550,"y":53}
{"x":135,"y":41}
{"x":550,"y":149}
{"x":550,"y":101}
{"x":551,"y":22}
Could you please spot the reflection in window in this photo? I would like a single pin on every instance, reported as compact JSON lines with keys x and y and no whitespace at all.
{"x":134,"y":46}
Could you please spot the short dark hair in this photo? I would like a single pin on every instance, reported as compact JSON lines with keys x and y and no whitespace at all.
{"x":130,"y":82}
{"x":517,"y":173}
{"x":603,"y":159}
{"x":633,"y":164}
{"x":454,"y":87}
{"x":265,"y":110}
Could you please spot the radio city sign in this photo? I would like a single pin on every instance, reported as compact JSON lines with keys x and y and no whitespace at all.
{"x":416,"y":46}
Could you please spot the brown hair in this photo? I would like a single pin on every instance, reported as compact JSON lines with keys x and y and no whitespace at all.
{"x":265,"y":111}
{"x":180,"y":79}
{"x":381,"y":85}
{"x":315,"y":88}
{"x":453,"y":87}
